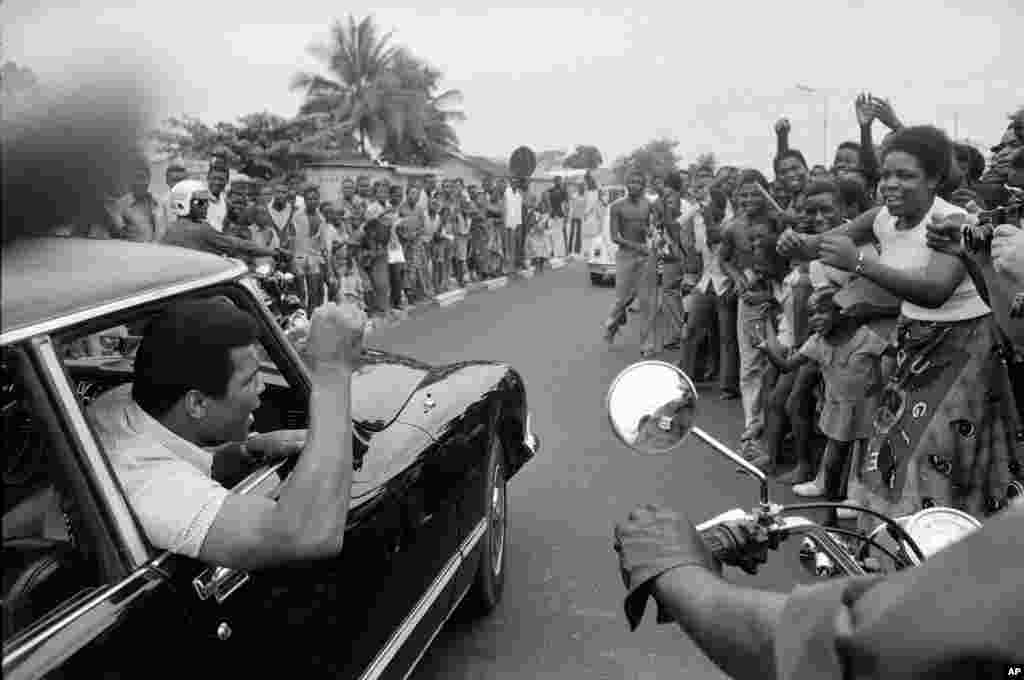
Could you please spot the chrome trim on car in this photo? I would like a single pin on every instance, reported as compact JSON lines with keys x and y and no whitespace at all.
{"x":529,"y":438}
{"x":433,"y":636}
{"x":399,"y":637}
{"x":221,"y":582}
{"x":43,"y":327}
{"x":22,"y":651}
{"x":98,"y":467}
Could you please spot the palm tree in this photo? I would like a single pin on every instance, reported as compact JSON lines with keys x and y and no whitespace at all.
{"x":363,"y":95}
{"x":427,"y":116}
{"x":380,"y":92}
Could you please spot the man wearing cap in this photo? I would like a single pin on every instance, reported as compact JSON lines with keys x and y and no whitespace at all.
{"x":191,"y":199}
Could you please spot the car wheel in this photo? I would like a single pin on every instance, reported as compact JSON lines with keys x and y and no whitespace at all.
{"x":596,"y":279}
{"x":489,"y":585}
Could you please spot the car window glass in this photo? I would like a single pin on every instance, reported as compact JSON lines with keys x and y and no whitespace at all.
{"x":42,"y":560}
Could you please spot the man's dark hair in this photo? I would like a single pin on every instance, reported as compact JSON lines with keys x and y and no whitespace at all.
{"x":822,"y":186}
{"x":751,"y":176}
{"x":175,"y":167}
{"x":975,"y":161}
{"x":188,"y":347}
{"x":854,"y":146}
{"x":928,"y":144}
{"x":674,"y":181}
{"x":789,"y":153}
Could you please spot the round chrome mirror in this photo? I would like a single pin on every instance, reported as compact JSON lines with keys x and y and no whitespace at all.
{"x":652,"y":406}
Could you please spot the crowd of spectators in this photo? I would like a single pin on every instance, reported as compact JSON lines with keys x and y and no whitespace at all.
{"x":873,"y":354}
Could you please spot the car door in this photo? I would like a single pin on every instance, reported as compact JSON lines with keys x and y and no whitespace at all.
{"x":455,"y":406}
{"x":74,"y":606}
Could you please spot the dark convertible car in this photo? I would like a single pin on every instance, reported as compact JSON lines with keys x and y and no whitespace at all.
{"x":84,"y":593}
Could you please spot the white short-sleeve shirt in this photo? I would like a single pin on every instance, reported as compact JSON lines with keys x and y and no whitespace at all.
{"x":167,"y":478}
{"x":908,"y":249}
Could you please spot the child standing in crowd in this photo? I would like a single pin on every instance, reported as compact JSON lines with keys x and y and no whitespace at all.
{"x":350,"y":286}
{"x":539,"y":240}
{"x":376,"y":261}
{"x":849,"y":354}
{"x":459,"y":219}
{"x":442,"y":220}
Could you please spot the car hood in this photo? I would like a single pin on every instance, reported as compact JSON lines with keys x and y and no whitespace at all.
{"x":382,"y":386}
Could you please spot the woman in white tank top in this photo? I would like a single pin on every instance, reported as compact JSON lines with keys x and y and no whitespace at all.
{"x":945,"y":433}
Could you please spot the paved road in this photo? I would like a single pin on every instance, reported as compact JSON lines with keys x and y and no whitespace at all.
{"x":561,"y":616}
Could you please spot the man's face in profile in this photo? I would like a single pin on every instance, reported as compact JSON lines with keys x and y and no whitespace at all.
{"x":227,"y":418}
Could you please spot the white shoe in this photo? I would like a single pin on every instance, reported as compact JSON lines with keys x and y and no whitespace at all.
{"x":809,"y":489}
{"x":848,"y":513}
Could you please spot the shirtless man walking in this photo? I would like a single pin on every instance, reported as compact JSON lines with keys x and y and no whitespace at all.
{"x":630,"y":220}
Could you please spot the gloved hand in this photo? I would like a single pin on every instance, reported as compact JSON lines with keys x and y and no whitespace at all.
{"x":650,"y":543}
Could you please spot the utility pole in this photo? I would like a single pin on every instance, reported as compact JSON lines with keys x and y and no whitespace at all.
{"x":824,"y":120}
{"x":824,"y":133}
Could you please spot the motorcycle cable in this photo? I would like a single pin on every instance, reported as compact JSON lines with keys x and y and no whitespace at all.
{"x":901,"y":533}
{"x":866,"y":541}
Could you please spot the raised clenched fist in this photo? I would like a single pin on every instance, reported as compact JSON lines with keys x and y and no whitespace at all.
{"x":336,"y":336}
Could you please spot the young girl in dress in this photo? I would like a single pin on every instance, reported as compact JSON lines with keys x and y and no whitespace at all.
{"x":849,"y":354}
{"x":350,"y":286}
{"x":538,"y":242}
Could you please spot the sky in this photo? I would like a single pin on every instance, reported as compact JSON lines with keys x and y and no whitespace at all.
{"x":713,"y":75}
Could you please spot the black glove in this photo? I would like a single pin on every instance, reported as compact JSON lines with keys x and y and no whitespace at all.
{"x":651,"y":542}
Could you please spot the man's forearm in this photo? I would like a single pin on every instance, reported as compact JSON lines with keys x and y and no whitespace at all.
{"x":734,"y":626}
{"x":314,"y":503}
{"x":1001,"y":291}
{"x":781,"y":143}
{"x":868,"y":159}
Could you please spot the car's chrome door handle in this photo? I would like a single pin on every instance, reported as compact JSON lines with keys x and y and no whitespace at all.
{"x":219,"y":582}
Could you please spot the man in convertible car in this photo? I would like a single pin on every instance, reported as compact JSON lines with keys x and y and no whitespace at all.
{"x":178,"y":434}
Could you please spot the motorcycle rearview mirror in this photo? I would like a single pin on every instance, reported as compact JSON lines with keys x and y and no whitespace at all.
{"x":652,"y":406}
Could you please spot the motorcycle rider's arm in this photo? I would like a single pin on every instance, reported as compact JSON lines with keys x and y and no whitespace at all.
{"x":734,"y":626}
{"x":953,"y":608}
{"x":232,"y":246}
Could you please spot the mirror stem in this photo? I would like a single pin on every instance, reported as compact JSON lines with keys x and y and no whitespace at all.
{"x":746,"y":465}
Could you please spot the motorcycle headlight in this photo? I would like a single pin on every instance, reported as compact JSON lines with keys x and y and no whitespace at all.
{"x":935,"y":528}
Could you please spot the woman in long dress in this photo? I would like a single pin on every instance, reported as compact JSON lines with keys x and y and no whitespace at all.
{"x":947,"y":429}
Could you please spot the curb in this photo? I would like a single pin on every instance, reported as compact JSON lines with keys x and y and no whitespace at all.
{"x":455,"y":296}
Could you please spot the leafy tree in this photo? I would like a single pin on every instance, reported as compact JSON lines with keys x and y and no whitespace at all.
{"x":257,"y":139}
{"x":362,"y":93}
{"x":381,"y":93}
{"x":585,"y":157}
{"x":19,"y":88}
{"x":656,"y":156}
{"x":706,"y":160}
{"x":427,"y":130}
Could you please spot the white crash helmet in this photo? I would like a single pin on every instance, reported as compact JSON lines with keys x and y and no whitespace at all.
{"x":183,"y":192}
